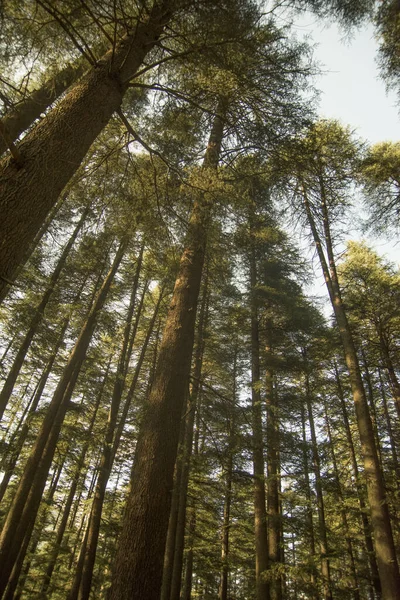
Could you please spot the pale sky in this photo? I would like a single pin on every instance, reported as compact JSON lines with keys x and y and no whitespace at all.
{"x":351,"y":88}
{"x":353,"y":92}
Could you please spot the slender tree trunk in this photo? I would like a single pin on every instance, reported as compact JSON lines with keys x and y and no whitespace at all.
{"x":391,"y":433}
{"x":387,"y":361}
{"x":107,"y":460}
{"x":23,"y":431}
{"x":26,"y":112}
{"x":27,"y":499}
{"x":37,"y":318}
{"x":310,"y":520}
{"x":223,"y":584}
{"x":323,"y":539}
{"x":273,"y":475}
{"x":372,"y":407}
{"x":187,"y":583}
{"x":168,"y":565}
{"x":380,"y":519}
{"x":349,"y":542}
{"x":260,"y":512}
{"x":373,"y":567}
{"x":140,"y":552}
{"x":71,"y":494}
{"x":52,"y":152}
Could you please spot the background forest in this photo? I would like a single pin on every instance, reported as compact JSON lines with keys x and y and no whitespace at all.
{"x":179,"y":418}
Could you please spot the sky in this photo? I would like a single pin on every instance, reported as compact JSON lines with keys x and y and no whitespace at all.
{"x":353,"y":92}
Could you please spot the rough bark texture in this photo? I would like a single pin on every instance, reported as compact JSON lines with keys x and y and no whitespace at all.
{"x":140,"y":552}
{"x":52,"y":152}
{"x":26,"y":112}
{"x":185,"y":458}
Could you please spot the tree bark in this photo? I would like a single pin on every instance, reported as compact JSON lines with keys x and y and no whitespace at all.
{"x":187,"y":445}
{"x":26,"y":112}
{"x":310,"y":520}
{"x":140,"y":553}
{"x":52,"y":152}
{"x":223,"y":584}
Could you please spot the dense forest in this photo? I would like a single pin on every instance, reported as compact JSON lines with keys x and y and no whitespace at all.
{"x":180,"y":418}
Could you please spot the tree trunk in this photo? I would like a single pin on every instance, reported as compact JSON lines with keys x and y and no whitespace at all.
{"x":273,"y":475}
{"x":223,"y":584}
{"x":187,"y":445}
{"x":26,"y":502}
{"x":26,"y":112}
{"x":23,"y":431}
{"x":140,"y":552}
{"x":107,"y":460}
{"x":37,"y":318}
{"x":71,"y":494}
{"x":349,"y":542}
{"x":373,"y":567}
{"x":260,"y":513}
{"x":52,"y":152}
{"x":380,"y":519}
{"x":310,"y":520}
{"x":323,"y":540}
{"x":389,"y":427}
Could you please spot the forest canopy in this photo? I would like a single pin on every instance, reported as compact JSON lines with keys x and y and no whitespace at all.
{"x":180,"y":417}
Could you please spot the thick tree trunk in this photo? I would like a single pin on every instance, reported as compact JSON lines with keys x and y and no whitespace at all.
{"x":187,"y":445}
{"x":380,"y":519}
{"x":37,"y":318}
{"x":52,"y":152}
{"x":140,"y":553}
{"x":26,"y":112}
{"x":26,"y":502}
{"x":323,"y":538}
